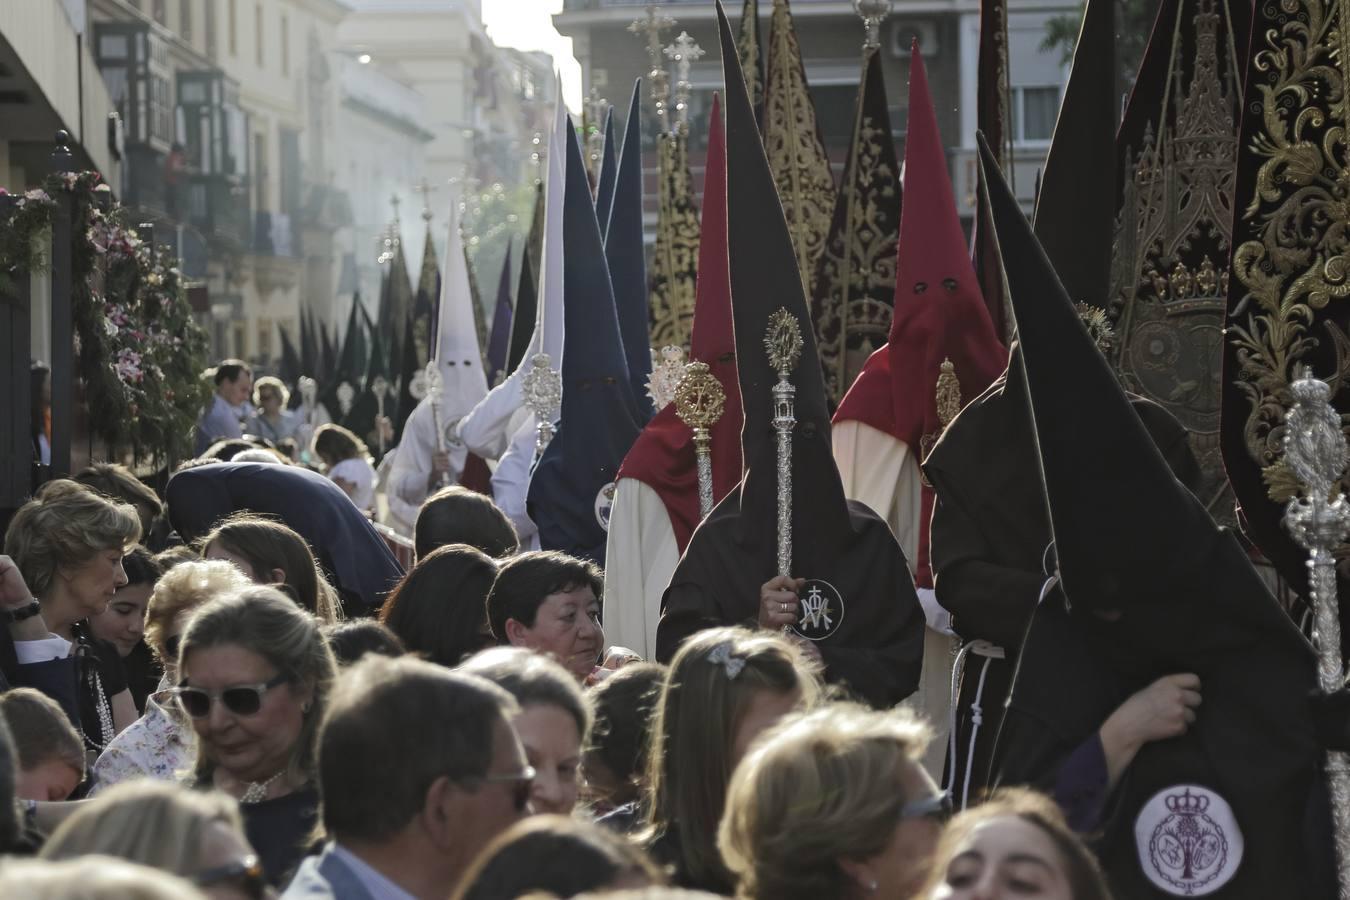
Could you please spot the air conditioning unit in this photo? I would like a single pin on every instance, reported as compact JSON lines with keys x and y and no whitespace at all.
{"x":903,"y":33}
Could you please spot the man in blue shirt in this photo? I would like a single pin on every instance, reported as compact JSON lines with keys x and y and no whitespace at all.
{"x":229,"y":405}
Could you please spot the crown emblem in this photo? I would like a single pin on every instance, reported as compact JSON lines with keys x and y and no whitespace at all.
{"x":1186,"y":803}
{"x":665,"y":378}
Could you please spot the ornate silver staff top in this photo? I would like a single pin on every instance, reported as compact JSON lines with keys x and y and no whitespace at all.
{"x":309,"y":393}
{"x":380,"y":388}
{"x":1315,"y":450}
{"x":684,"y":52}
{"x":433,"y":388}
{"x":543,"y":397}
{"x":699,"y":402}
{"x":873,"y":13}
{"x":650,"y":27}
{"x":664,"y":381}
{"x":783,"y":342}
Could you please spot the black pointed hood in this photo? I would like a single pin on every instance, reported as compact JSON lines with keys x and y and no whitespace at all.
{"x":609,"y":170}
{"x":1076,"y":203}
{"x":527,"y":289}
{"x":628,"y":258}
{"x":500,"y":338}
{"x":1131,"y":541}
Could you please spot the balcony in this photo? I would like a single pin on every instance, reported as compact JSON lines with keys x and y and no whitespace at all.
{"x":217,"y":206}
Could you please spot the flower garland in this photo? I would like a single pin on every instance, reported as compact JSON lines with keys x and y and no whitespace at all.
{"x":139,"y":352}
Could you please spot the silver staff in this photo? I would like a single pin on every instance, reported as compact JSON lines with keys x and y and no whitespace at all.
{"x":783,"y":341}
{"x":699,"y":402}
{"x":380,"y":388}
{"x":1315,"y":450}
{"x":542,"y":386}
{"x":434,"y":388}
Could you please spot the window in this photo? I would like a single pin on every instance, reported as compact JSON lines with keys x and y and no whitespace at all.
{"x":1033,"y":112}
{"x":258,"y":33}
{"x":185,"y":20}
{"x":234,"y":27}
{"x":265,"y":339}
{"x":285,"y":45}
{"x":134,"y":63}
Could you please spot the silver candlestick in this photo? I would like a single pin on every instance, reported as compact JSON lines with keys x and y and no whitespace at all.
{"x":1315,"y":450}
{"x":783,"y":342}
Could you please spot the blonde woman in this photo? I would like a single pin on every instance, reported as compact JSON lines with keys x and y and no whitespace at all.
{"x":158,"y":745}
{"x":196,"y":835}
{"x":833,"y":804}
{"x":91,"y":878}
{"x":725,"y":686}
{"x":67,"y":543}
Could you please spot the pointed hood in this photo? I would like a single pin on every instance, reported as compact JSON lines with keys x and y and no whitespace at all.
{"x":309,"y":345}
{"x":1130,"y":540}
{"x":1076,"y":203}
{"x":408,"y":368}
{"x":498,"y":343}
{"x":327,"y":355}
{"x":609,"y":169}
{"x":522,"y":317}
{"x":940,"y":319}
{"x":796,"y":148}
{"x":598,"y":423}
{"x":289,"y":369}
{"x":424,"y":304}
{"x":855,"y":281}
{"x":399,"y":301}
{"x":346,"y":383}
{"x":628,"y":258}
{"x":663,"y":457}
{"x":456,"y":350}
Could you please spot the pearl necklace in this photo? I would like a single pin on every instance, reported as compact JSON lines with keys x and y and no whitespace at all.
{"x":256,"y":791}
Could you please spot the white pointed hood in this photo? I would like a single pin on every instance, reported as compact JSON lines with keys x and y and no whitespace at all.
{"x":457,"y":353}
{"x":486,"y":429}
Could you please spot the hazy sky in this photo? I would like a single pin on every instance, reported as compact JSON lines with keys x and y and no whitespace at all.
{"x":528,"y":25}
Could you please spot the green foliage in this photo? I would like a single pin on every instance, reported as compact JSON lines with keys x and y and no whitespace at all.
{"x":1134,"y":22}
{"x":139,"y":352}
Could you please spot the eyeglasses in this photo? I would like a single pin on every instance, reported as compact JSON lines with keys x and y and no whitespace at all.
{"x":523,"y":781}
{"x":937,"y":806}
{"x":246,"y":874}
{"x":242,"y":699}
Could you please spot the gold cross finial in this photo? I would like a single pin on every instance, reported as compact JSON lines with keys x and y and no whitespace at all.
{"x":684,"y":52}
{"x":651,"y":27}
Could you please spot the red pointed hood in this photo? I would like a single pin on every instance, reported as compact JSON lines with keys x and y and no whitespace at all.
{"x":939,"y":311}
{"x":663,"y":457}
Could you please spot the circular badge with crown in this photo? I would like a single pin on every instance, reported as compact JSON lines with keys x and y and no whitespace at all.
{"x":821,"y":610}
{"x":1188,"y":840}
{"x":604,"y":502}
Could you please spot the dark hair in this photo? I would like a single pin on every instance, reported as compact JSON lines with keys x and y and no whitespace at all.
{"x":229,"y":370}
{"x":534,"y":680}
{"x":625,"y":703}
{"x":40,"y":730}
{"x":1084,"y":874}
{"x":333,"y":442}
{"x":269,"y":544}
{"x":10,"y":826}
{"x":141,"y":567}
{"x":117,"y":482}
{"x":167,"y":559}
{"x":372,"y":778}
{"x":556,"y":855}
{"x":350,"y":641}
{"x":525,"y":581}
{"x":457,"y":515}
{"x":439,"y":608}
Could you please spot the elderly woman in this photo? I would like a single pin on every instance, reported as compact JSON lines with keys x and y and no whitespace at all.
{"x":68,"y":543}
{"x":725,"y":686}
{"x":159,"y":744}
{"x":271,"y":419}
{"x":254,"y":677}
{"x":553,"y":722}
{"x":193,"y":834}
{"x":833,"y":805}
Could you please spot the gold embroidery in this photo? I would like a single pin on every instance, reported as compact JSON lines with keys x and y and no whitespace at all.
{"x":747,"y":44}
{"x":1172,"y":236}
{"x":947,"y":394}
{"x":801,"y":168}
{"x":675,"y":258}
{"x":1291,"y":238}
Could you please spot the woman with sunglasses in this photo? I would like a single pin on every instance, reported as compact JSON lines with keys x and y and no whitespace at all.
{"x":254,"y":676}
{"x":271,"y":419}
{"x":831,"y":805}
{"x":158,"y":745}
{"x":195,"y":835}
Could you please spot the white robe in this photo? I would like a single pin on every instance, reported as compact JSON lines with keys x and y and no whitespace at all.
{"x":407,"y":488}
{"x":883,"y":473}
{"x":640,"y":557}
{"x":511,"y":483}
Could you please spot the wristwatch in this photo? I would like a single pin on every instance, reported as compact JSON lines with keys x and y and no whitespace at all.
{"x":18,"y":614}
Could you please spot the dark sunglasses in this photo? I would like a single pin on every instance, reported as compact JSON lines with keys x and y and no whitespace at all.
{"x":246,"y":874}
{"x":523,"y":785}
{"x":242,"y":700}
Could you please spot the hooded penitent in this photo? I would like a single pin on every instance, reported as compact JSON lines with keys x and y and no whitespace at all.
{"x":346,"y":545}
{"x":858,"y":604}
{"x":663,"y":457}
{"x":456,"y":350}
{"x":1151,"y":587}
{"x":627,"y":257}
{"x":573,"y":485}
{"x":942,"y":349}
{"x":522,"y":318}
{"x":499,"y":342}
{"x":855,"y":280}
{"x":1076,"y":203}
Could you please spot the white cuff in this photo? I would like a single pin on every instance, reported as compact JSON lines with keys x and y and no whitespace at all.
{"x":937,"y":618}
{"x":48,"y":648}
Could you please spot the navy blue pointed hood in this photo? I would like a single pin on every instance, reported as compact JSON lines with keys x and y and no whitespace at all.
{"x":572,"y":487}
{"x":500,"y":340}
{"x":627,"y":259}
{"x":609,"y":168}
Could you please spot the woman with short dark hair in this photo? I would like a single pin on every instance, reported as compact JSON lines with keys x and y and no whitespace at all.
{"x":457,"y":515}
{"x":438,"y":609}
